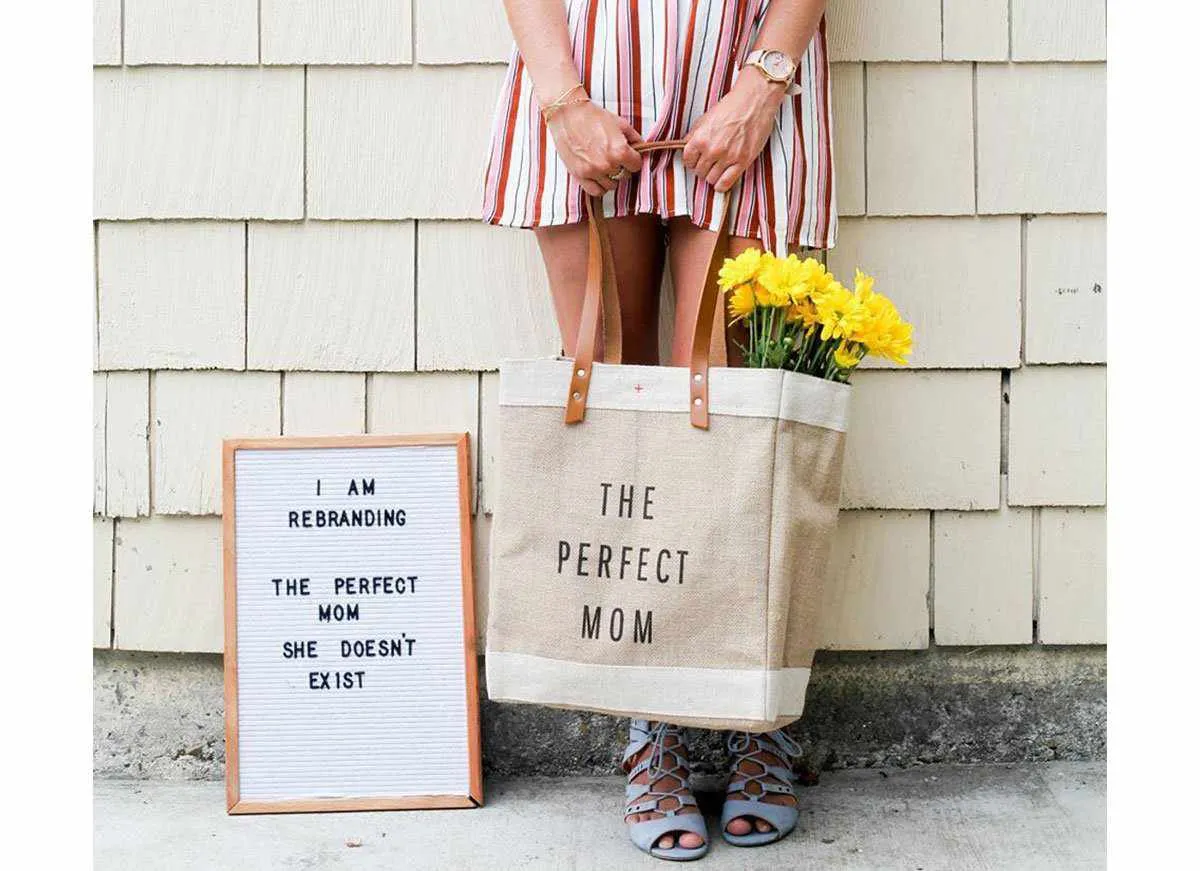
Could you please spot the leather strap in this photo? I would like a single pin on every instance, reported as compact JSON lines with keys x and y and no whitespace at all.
{"x":599,"y":300}
{"x":702,"y":332}
{"x":602,"y":310}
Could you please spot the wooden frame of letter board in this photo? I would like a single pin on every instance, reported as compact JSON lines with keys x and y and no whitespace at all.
{"x":233,"y":801}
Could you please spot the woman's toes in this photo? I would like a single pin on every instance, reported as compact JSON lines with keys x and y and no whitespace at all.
{"x":744,"y":825}
{"x":687,"y":840}
{"x":690,"y":841}
{"x":738,"y":826}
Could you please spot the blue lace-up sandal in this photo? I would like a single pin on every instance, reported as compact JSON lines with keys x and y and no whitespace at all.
{"x":667,"y":761}
{"x":756,"y":751}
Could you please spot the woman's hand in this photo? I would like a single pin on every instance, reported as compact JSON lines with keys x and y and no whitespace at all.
{"x":594,"y":145}
{"x":728,"y":137}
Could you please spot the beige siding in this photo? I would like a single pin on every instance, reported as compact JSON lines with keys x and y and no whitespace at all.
{"x":1072,"y":576}
{"x":849,"y":138}
{"x":876,"y":594}
{"x":172,"y":295}
{"x":99,"y":423}
{"x":1057,"y":162}
{"x":330,"y":296}
{"x":106,"y":32}
{"x":919,"y":140}
{"x":102,"y":581}
{"x":975,"y":30}
{"x":1056,"y":442}
{"x":1071,"y":30}
{"x":357,"y":118}
{"x":193,"y":413}
{"x":482,"y":297}
{"x":324,"y":403}
{"x":423,"y":402}
{"x":958,"y":280}
{"x":427,"y":402}
{"x":885,"y":29}
{"x":127,"y":444}
{"x":983,"y":576}
{"x":168,"y":589}
{"x":440,"y":27}
{"x":280,"y":245}
{"x":202,"y":142}
{"x":489,"y":408}
{"x":1065,"y":289}
{"x":345,"y":32}
{"x":923,"y":440}
{"x":191,"y":31}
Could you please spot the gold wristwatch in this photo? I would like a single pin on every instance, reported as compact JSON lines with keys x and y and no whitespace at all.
{"x":776,"y":65}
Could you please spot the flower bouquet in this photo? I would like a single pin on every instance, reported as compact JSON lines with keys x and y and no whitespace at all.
{"x":798,"y":316}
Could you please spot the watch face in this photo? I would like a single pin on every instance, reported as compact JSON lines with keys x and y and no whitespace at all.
{"x":777,"y":64}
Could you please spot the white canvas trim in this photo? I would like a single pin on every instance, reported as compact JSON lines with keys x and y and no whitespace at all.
{"x":816,"y":401}
{"x":768,"y":393}
{"x":716,"y":693}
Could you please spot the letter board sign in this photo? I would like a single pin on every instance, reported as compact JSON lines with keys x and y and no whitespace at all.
{"x":350,"y":670}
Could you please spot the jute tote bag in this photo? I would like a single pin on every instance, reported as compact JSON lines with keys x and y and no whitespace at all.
{"x":661,"y":534}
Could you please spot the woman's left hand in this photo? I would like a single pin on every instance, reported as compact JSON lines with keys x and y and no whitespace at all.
{"x":728,"y":137}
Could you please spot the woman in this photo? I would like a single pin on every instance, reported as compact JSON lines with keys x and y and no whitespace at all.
{"x":746,"y":82}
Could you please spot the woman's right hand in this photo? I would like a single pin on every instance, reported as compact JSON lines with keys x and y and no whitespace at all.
{"x":594,"y":144}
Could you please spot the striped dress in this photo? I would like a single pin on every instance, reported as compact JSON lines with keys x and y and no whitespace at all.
{"x":660,"y":64}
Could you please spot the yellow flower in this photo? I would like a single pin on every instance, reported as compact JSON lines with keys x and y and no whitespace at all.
{"x":815,"y":279}
{"x":839,"y":312}
{"x":776,"y":281}
{"x":887,"y":334}
{"x":897,"y":344}
{"x":742,"y":269}
{"x":803,"y":310}
{"x":741,"y":302}
{"x":864,"y":286}
{"x":771,"y":296}
{"x":847,"y":355}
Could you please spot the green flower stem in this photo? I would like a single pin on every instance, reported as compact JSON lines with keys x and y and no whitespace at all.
{"x":762,"y":337}
{"x":772,"y":345}
{"x":752,"y":329}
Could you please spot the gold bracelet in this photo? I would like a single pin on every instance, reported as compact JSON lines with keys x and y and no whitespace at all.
{"x":551,"y":110}
{"x":561,"y":100}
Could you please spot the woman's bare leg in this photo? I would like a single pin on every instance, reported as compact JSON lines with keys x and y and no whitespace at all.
{"x":688,"y":253}
{"x":637,"y":243}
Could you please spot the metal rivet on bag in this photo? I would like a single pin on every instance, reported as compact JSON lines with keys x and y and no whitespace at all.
{"x":699,"y":401}
{"x":699,"y":377}
{"x":576,"y":396}
{"x":579,"y":372}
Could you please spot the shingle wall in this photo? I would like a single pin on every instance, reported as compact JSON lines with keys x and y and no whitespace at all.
{"x":284,"y":196}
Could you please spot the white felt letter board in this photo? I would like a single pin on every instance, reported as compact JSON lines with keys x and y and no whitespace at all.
{"x":350,"y":674}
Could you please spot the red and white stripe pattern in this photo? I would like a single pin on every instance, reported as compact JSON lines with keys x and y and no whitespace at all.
{"x":661,"y":64}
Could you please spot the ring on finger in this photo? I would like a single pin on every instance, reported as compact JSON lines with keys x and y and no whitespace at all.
{"x":619,"y":174}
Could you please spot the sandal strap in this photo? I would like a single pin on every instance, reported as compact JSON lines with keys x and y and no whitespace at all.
{"x":647,"y":734}
{"x":644,"y":797}
{"x":740,"y":785}
{"x":776,"y":741}
{"x":745,"y":747}
{"x":651,"y":805}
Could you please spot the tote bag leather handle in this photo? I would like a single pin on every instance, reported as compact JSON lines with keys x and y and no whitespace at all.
{"x":601,"y":303}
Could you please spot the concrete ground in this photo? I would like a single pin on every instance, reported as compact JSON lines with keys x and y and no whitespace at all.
{"x":928,"y":818}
